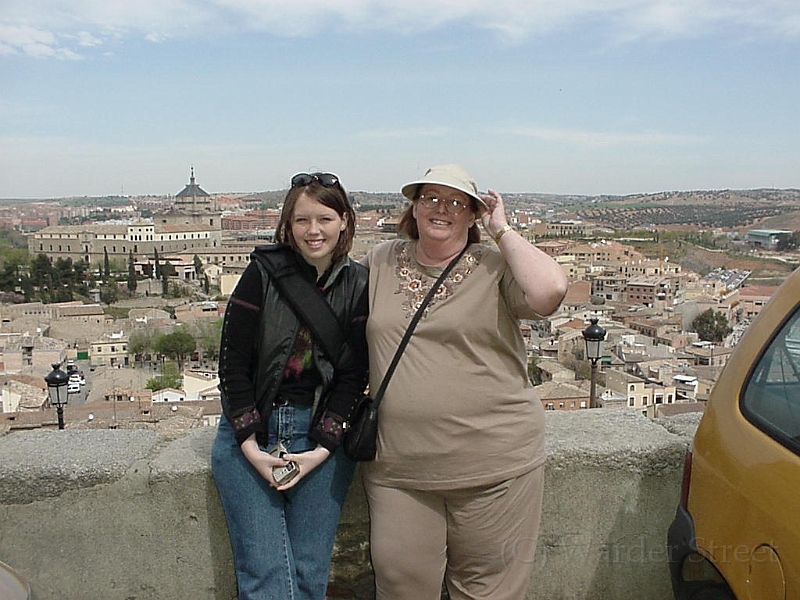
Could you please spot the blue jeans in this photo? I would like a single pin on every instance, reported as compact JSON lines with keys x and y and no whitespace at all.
{"x":282,"y":541}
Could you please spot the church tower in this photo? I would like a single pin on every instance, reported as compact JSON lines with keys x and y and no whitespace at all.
{"x":193,"y":198}
{"x":193,"y":206}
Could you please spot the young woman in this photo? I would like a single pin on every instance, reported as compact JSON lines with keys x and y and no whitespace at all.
{"x":279,"y":386}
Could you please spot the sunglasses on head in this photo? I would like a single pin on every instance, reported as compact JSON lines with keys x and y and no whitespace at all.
{"x":325,"y":179}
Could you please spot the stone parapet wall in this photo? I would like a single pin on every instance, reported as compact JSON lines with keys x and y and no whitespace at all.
{"x":134,"y":515}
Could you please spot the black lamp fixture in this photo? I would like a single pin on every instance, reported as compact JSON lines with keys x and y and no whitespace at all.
{"x":594,"y":335}
{"x":57,"y":382}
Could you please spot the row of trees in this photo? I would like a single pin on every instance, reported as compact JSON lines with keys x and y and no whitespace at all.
{"x":25,"y":279}
{"x":45,"y":280}
{"x":700,"y":215}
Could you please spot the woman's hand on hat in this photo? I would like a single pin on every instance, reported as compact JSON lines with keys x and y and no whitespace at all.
{"x":494,"y":216}
{"x":306,"y":462}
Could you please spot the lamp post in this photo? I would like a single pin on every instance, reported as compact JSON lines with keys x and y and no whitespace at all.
{"x":594,"y":335}
{"x":57,"y":391}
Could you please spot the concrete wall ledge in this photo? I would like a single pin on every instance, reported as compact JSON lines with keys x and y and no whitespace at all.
{"x":134,"y":515}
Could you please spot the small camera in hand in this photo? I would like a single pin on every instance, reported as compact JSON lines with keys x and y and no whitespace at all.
{"x":284,"y":474}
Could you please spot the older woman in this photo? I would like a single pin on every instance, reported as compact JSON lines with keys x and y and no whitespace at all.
{"x":455,"y":491}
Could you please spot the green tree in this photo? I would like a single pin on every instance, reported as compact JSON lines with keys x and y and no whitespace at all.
{"x":13,"y":239}
{"x":176,"y":345}
{"x":63,"y":280}
{"x":170,"y":378}
{"x":711,"y":326}
{"x":26,"y":287}
{"x":8,"y":277}
{"x":13,"y":257}
{"x":109,"y":293}
{"x":167,"y":269}
{"x":40,"y":270}
{"x":131,"y":273}
{"x":198,"y":265}
{"x":140,"y":343}
{"x":63,"y":268}
{"x":80,"y":268}
{"x":208,"y":334}
{"x":106,"y":264}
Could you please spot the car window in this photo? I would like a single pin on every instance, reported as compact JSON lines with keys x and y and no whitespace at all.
{"x":771,"y":398}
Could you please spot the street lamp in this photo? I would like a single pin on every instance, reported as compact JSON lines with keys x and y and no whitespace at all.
{"x":594,"y":335}
{"x":57,"y":382}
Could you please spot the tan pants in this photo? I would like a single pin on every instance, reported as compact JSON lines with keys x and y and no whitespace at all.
{"x":481,"y":541}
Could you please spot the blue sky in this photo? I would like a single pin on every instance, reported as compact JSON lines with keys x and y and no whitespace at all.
{"x":569,"y":97}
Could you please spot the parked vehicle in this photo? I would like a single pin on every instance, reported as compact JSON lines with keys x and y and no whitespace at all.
{"x":13,"y":586}
{"x":736,"y":534}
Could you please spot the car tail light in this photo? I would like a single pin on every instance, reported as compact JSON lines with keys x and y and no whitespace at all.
{"x":687,"y":478}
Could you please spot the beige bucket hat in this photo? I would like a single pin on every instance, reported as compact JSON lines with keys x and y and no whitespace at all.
{"x":450,"y":175}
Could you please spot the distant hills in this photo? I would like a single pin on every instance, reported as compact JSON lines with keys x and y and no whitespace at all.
{"x":765,"y":207}
{"x":729,"y":209}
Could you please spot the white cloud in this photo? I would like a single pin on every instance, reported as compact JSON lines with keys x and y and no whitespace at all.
{"x":599,"y":138}
{"x":36,"y":27}
{"x":88,"y":40}
{"x":34,"y":42}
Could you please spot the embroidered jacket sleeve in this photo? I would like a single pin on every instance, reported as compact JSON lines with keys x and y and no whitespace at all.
{"x":237,"y":355}
{"x":350,"y":381}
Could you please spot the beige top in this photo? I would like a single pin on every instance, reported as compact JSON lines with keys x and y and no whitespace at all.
{"x":460,"y":410}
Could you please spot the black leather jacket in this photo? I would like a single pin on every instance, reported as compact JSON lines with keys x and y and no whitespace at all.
{"x":258,"y":336}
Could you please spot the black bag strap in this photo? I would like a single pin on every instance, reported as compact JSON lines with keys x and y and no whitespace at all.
{"x":376,"y":399}
{"x":313,"y":309}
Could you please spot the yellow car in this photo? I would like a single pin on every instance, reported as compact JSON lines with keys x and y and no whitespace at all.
{"x":736,"y":534}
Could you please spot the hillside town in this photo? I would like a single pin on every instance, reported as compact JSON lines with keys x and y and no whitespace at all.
{"x":130,"y":298}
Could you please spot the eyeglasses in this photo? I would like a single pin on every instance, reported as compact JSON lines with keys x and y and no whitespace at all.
{"x":451,"y":205}
{"x":325,"y":179}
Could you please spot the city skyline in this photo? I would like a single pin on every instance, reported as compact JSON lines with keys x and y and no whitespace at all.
{"x":613,"y":98}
